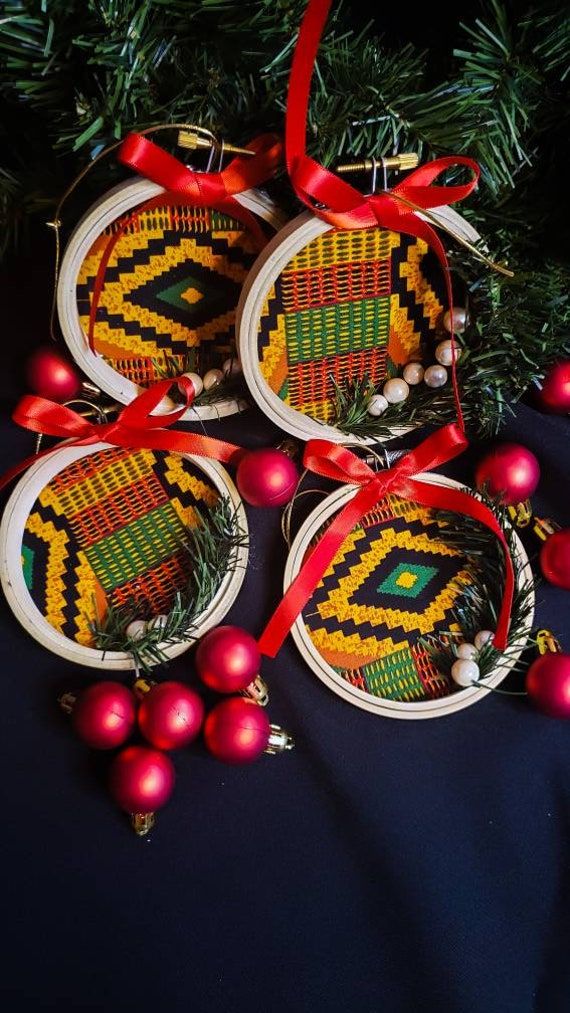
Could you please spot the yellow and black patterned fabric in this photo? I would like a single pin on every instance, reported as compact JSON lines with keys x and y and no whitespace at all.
{"x":171,"y":289}
{"x":110,"y":528}
{"x":349,"y":304}
{"x":393,"y":582}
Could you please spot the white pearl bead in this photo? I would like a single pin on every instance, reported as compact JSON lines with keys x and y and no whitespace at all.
{"x":482,"y":638}
{"x":231,"y":367}
{"x":444,"y":352}
{"x":213,"y":378}
{"x":396,"y":390}
{"x":464,"y":672}
{"x":435,"y":376}
{"x":467,"y":652}
{"x":158,"y":623}
{"x":459,"y":320}
{"x":377,"y":405}
{"x":196,"y":382}
{"x":413,"y":373}
{"x":136,"y":629}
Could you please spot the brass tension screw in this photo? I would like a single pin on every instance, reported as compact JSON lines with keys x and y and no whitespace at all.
{"x":192,"y":142}
{"x":407,"y":160}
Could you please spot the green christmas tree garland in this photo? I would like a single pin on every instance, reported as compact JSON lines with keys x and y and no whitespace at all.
{"x":78,"y":74}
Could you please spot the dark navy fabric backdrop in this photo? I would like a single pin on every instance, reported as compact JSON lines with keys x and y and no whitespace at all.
{"x":382,"y":867}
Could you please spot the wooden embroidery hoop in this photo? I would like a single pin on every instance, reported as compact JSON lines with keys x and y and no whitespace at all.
{"x":14,"y":519}
{"x":414,"y":710}
{"x":113,"y":205}
{"x":280,"y":250}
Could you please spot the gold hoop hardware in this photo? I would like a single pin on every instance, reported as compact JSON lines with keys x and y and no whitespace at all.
{"x":402,"y":163}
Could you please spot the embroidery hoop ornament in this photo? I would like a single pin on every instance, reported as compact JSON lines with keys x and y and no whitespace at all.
{"x":137,"y":427}
{"x":294,"y":237}
{"x":405,"y":710}
{"x":116,"y":203}
{"x":16,"y":513}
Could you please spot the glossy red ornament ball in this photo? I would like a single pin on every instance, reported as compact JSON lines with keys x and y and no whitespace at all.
{"x":509,"y":470}
{"x":554,"y":394}
{"x":104,"y":715}
{"x":51,"y":375}
{"x":228,"y":659}
{"x":170,"y":715}
{"x":237,"y":730}
{"x":141,"y":779}
{"x":548,"y":684}
{"x":267,"y":477}
{"x":555,"y":558}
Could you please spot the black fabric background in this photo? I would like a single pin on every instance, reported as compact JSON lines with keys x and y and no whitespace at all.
{"x":381,"y":866}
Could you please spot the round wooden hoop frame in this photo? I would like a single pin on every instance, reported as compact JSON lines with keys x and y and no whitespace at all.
{"x":377,"y":705}
{"x":21,"y":602}
{"x":115,"y":203}
{"x":297,"y":234}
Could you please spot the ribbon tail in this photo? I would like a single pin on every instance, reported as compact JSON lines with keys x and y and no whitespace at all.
{"x":313,"y":569}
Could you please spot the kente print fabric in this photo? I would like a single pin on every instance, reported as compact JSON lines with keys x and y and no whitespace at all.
{"x":350,"y":304}
{"x":393,"y":582}
{"x":110,"y":528}
{"x":170,"y":292}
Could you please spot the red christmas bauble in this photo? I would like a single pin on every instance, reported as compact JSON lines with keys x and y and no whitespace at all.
{"x":170,"y":715}
{"x":51,"y":375}
{"x":141,"y":780}
{"x":548,"y":684}
{"x":228,"y":659}
{"x":104,"y":715}
{"x":554,"y":395}
{"x":267,"y":477}
{"x":237,"y":730}
{"x":555,"y":558}
{"x":510,"y":471}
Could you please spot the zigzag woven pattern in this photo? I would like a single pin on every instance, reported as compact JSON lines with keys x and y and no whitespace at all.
{"x":393,"y":582}
{"x":171,"y":289}
{"x":349,"y":304}
{"x":109,"y":529}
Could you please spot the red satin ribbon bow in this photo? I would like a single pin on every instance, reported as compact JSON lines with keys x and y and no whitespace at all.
{"x":135,"y":427}
{"x":181,"y":184}
{"x":333,"y":461}
{"x":341,"y":204}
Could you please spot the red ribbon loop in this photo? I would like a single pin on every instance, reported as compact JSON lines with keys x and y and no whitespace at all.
{"x":210,"y":189}
{"x":341,"y":204}
{"x":135,"y":427}
{"x":339,"y":463}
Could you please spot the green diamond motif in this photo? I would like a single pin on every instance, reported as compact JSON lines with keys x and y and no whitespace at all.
{"x":408,"y":579}
{"x":174,"y":295}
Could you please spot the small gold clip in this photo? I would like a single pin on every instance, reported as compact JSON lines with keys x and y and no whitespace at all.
{"x":547,"y":643}
{"x":520,"y":514}
{"x":142,"y":823}
{"x":543,"y":527}
{"x":192,"y":142}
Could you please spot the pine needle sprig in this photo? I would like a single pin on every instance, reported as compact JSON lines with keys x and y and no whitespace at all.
{"x":481,"y":591}
{"x":212,"y":548}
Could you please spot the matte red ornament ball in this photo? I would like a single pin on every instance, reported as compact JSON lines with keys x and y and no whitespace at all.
{"x":555,"y":558}
{"x":267,"y":477}
{"x":104,"y":715}
{"x":51,"y":375}
{"x":548,"y":684}
{"x":170,"y":715}
{"x":141,"y":780}
{"x":510,"y":471}
{"x":554,"y":395}
{"x":237,"y":730}
{"x":228,"y":659}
